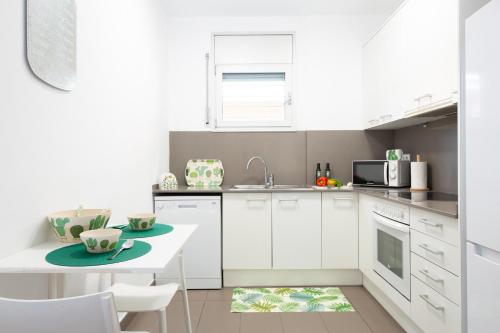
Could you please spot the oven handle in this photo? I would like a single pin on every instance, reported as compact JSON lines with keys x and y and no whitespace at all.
{"x":386,"y":173}
{"x":391,"y":224}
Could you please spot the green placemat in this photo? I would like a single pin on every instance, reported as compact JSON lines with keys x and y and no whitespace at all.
{"x":157,"y":230}
{"x":77,"y":256}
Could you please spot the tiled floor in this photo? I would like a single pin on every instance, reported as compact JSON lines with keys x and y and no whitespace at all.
{"x":210,"y":313}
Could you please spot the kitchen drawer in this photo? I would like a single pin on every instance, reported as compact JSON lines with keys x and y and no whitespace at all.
{"x":439,"y":226}
{"x":442,"y":254}
{"x":440,"y":280}
{"x":432,"y":312}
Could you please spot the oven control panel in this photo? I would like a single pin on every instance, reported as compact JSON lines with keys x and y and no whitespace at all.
{"x":398,"y":213}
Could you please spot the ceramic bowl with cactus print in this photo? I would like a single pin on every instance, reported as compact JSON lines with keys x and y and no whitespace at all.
{"x":204,"y":173}
{"x":144,"y":221}
{"x":100,"y":240}
{"x":69,"y":224}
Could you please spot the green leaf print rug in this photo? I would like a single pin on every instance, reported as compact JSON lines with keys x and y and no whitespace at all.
{"x":290,"y":300}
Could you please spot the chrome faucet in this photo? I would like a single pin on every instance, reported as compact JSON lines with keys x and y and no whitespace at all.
{"x":268,"y":178}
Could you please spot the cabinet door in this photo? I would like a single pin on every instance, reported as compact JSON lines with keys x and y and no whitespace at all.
{"x":339,"y":230}
{"x":431,"y":56}
{"x":296,"y":230}
{"x":383,"y":83}
{"x":246,"y":230}
{"x":366,"y":204}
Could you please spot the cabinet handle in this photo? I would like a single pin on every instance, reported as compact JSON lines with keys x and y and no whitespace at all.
{"x":187,"y":206}
{"x":428,"y":249}
{"x":428,"y":301}
{"x":288,"y":200}
{"x":430,"y":223}
{"x":425,"y":272}
{"x":418,"y":99}
{"x":342,"y":198}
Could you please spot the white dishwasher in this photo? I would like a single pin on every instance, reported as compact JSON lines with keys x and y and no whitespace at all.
{"x":202,"y":252}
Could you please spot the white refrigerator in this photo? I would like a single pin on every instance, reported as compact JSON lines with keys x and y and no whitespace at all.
{"x":482,"y":168}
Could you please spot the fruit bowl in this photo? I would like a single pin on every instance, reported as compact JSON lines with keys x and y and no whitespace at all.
{"x":100,"y":240}
{"x":69,"y":224}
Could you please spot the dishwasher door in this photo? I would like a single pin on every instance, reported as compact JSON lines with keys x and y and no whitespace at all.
{"x":202,"y":252}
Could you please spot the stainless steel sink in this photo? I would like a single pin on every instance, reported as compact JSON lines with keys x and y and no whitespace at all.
{"x":249,"y":187}
{"x":263,"y":187}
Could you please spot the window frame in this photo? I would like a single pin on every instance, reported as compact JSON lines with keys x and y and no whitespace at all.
{"x":286,"y":124}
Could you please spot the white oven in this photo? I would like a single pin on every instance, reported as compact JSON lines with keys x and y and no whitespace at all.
{"x":392,"y":247}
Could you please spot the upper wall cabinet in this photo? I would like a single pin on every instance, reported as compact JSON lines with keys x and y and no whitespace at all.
{"x":410,"y":66}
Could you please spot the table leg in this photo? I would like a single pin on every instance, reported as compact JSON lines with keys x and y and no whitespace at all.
{"x":184,"y":293}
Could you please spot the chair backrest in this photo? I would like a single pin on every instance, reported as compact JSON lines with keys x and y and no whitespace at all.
{"x":83,"y":314}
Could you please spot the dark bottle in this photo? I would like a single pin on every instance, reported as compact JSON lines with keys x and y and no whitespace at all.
{"x":328,"y":172}
{"x":318,"y":170}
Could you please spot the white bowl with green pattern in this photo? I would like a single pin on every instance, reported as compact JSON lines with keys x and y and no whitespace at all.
{"x":100,"y":240}
{"x":142,"y":221}
{"x":69,"y":224}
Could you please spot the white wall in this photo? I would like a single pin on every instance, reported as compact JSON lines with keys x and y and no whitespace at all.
{"x":102,"y":145}
{"x":328,"y":71}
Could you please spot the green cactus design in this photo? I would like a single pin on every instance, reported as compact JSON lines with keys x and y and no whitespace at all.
{"x":135,"y":223}
{"x":104,"y":244}
{"x":76,"y":230}
{"x":59,"y":224}
{"x":193,"y":174}
{"x":91,"y":243}
{"x":98,"y":222}
{"x":208,"y":173}
{"x":152,"y":221}
{"x":144,"y":225}
{"x":112,"y":246}
{"x":217,"y":171}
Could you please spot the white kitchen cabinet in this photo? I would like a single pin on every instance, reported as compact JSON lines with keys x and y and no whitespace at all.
{"x":339,"y":230}
{"x":366,"y":205}
{"x":246,"y":230}
{"x":431,"y":53}
{"x":383,"y":63}
{"x":296,"y":223}
{"x":411,"y":65}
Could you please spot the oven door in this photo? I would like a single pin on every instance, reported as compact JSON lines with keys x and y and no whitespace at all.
{"x":392,"y":253}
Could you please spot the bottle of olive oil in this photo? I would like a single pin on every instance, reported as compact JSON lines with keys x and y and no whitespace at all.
{"x":318,"y":170}
{"x":328,"y":172}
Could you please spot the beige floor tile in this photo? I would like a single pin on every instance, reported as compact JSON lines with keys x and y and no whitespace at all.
{"x":175,"y":316}
{"x":356,"y":292}
{"x":344,"y":322}
{"x":224,"y":294}
{"x":193,"y":295}
{"x":377,"y":319}
{"x":260,"y":323}
{"x":217,"y":318}
{"x":302,"y":323}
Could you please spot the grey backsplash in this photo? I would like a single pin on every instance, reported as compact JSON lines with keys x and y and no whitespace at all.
{"x":292,"y":156}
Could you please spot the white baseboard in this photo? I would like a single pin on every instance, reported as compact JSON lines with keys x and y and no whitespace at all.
{"x":320,"y":277}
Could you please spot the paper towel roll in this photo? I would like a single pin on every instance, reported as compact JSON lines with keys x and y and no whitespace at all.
{"x":419,"y":175}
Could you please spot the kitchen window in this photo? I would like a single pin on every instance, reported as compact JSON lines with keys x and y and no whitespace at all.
{"x":253,"y":82}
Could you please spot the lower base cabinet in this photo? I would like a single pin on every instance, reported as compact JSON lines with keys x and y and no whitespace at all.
{"x":296,"y":220}
{"x":339,"y":230}
{"x":246,"y":231}
{"x":432,"y":312}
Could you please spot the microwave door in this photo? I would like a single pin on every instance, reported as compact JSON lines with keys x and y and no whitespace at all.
{"x":370,"y":173}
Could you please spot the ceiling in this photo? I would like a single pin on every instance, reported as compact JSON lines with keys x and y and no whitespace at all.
{"x":194,"y":8}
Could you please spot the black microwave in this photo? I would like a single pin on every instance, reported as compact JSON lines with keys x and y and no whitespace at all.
{"x":381,"y":173}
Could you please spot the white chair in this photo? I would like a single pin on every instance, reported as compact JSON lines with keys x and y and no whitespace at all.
{"x":131,"y":298}
{"x":82,"y":314}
